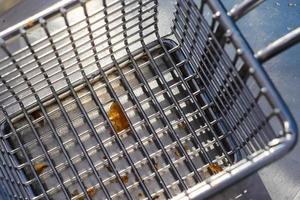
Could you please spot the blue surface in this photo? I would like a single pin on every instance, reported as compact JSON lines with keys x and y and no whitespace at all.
{"x":263,"y":25}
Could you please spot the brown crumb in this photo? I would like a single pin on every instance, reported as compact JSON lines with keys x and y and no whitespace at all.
{"x":125,"y":178}
{"x":91,"y":191}
{"x":40,"y":167}
{"x":181,"y":125}
{"x":214,"y":168}
{"x":145,"y":57}
{"x":108,"y":167}
{"x":177,"y":153}
{"x":30,"y":23}
{"x":140,"y":194}
{"x":117,"y":117}
{"x":155,"y":197}
{"x":155,"y":163}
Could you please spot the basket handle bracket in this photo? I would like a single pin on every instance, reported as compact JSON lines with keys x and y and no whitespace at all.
{"x":236,"y":13}
{"x":279,"y":45}
{"x":239,"y":10}
{"x":276,"y":47}
{"x":273,"y":49}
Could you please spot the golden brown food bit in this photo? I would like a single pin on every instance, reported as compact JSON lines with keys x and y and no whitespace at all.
{"x":140,"y":195}
{"x":214,"y":168}
{"x":117,"y":117}
{"x":155,"y":197}
{"x":40,"y":167}
{"x":181,"y":125}
{"x":91,"y":192}
{"x":177,"y":153}
{"x":29,"y":23}
{"x":125,"y":178}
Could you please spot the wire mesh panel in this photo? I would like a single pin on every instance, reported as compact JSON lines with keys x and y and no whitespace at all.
{"x":234,"y":100}
{"x":89,"y":30}
{"x":96,"y":105}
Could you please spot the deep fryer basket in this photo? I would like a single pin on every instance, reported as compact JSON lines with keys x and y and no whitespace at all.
{"x":195,"y":98}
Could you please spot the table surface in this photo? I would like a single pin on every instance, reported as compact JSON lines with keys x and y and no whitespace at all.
{"x":272,"y":19}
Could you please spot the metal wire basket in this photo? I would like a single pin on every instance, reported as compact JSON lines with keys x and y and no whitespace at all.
{"x":199,"y":110}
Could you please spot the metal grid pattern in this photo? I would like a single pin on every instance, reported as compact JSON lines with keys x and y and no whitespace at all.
{"x":234,"y":100}
{"x":171,"y":152}
{"x":81,"y":27}
{"x":189,"y":103}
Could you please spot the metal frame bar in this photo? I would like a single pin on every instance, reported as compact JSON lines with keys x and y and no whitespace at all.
{"x":230,"y":110}
{"x":278,"y":147}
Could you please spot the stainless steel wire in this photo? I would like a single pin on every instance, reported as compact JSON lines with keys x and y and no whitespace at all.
{"x":187,"y":106}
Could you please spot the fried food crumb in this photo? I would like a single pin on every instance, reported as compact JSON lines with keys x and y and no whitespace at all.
{"x":40,"y":167}
{"x":214,"y":168}
{"x":117,"y":117}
